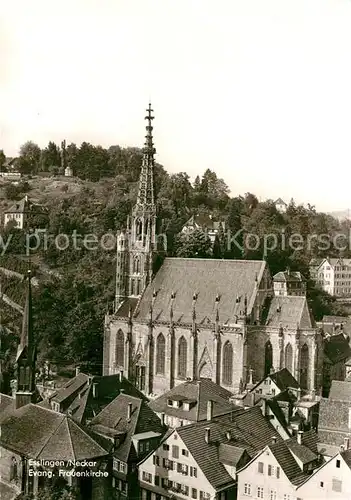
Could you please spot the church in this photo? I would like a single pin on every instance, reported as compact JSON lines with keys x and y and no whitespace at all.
{"x":200,"y":318}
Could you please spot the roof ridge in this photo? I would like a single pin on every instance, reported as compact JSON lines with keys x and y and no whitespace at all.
{"x":70,"y":439}
{"x":52,"y":434}
{"x":81,"y":429}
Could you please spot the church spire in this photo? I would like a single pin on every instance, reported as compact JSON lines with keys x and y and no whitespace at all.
{"x":26,"y":354}
{"x":145,"y":200}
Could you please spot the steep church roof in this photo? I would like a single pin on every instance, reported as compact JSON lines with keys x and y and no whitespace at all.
{"x":289,"y":312}
{"x":231,"y":280}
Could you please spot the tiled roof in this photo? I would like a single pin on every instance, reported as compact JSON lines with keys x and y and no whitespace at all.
{"x":114,"y":417}
{"x":230,"y":279}
{"x":248,"y":429}
{"x":284,"y":379}
{"x":340,"y":390}
{"x":5,"y":402}
{"x":336,"y":319}
{"x":316,"y":262}
{"x":289,"y":312}
{"x":346,"y":455}
{"x":83,"y":402}
{"x":19,"y":207}
{"x":200,"y":392}
{"x":44,"y":434}
{"x":302,"y":452}
{"x":203,"y":221}
{"x":336,"y":348}
{"x":288,"y":463}
{"x":229,"y":454}
{"x":284,"y":276}
{"x":128,"y":305}
{"x":279,"y":201}
{"x":333,"y":425}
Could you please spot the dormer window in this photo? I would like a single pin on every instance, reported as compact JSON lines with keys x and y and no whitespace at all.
{"x":170,"y":402}
{"x":186,"y":406}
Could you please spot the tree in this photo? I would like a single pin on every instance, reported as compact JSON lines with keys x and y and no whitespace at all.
{"x":50,"y":158}
{"x":29,"y":157}
{"x":2,"y":158}
{"x":194,"y":244}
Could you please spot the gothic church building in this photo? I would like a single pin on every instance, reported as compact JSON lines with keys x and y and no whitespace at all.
{"x":200,"y":318}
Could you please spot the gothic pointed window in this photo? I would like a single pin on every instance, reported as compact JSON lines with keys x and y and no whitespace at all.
{"x":13,"y":470}
{"x":268,"y":358}
{"x":119,"y":356}
{"x":160,"y":354}
{"x":136,"y":267}
{"x":227,"y":376}
{"x":182,"y":357}
{"x":289,"y":358}
{"x":139,"y":229}
{"x":304,"y":365}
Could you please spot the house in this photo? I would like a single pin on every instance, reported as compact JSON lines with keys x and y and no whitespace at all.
{"x":333,"y":275}
{"x":204,"y":222}
{"x":189,"y":402}
{"x":334,"y":325}
{"x":275,"y":383}
{"x":18,"y":213}
{"x":32,"y":437}
{"x":289,"y":283}
{"x":85,"y":396}
{"x":280,"y":205}
{"x":331,"y":481}
{"x":201,"y":460}
{"x":314,"y":265}
{"x":134,"y":430}
{"x":334,"y":428}
{"x":337,"y":352}
{"x":277,"y":471}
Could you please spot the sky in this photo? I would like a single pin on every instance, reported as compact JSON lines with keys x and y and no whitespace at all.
{"x":257,"y":90}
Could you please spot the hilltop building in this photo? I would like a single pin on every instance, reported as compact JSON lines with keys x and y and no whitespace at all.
{"x":200,"y":318}
{"x":18,"y":212}
{"x":332,"y":275}
{"x":206,"y":223}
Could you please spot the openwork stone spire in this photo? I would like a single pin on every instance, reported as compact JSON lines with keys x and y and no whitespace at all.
{"x":145,"y":200}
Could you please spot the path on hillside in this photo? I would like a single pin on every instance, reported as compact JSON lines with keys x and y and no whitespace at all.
{"x":13,"y":274}
{"x":11,"y":303}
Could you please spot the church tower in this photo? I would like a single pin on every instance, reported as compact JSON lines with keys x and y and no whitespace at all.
{"x":26,"y":355}
{"x":136,"y":246}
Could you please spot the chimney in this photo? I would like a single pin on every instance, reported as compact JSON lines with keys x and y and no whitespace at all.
{"x":274,"y":439}
{"x":298,"y":394}
{"x":130,"y":407}
{"x":346,"y":443}
{"x":209,"y":410}
{"x":271,"y":371}
{"x":162,"y":418}
{"x":207,"y":435}
{"x":313,"y":394}
{"x":299,"y":437}
{"x":77,"y":370}
{"x":264,"y":407}
{"x":342,"y":448}
{"x":251,"y":376}
{"x":228,"y":435}
{"x":121,"y":391}
{"x":26,"y":198}
{"x":95,"y":389}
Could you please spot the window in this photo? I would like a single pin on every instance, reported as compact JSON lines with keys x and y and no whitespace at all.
{"x":321,"y":484}
{"x":193,"y":493}
{"x":157,"y":480}
{"x":259,"y":492}
{"x":182,"y":357}
{"x":167,"y":464}
{"x":147,"y":446}
{"x":160,"y":354}
{"x":247,"y":489}
{"x":338,"y":464}
{"x":13,"y":470}
{"x":278,"y":472}
{"x":122,"y":467}
{"x":166,"y":447}
{"x":269,"y":470}
{"x":193,"y":471}
{"x":175,"y":451}
{"x":273,"y":495}
{"x":227,"y":377}
{"x":260,"y":467}
{"x":156,"y":460}
{"x":337,"y":485}
{"x":204,"y":495}
{"x":286,"y":497}
{"x":119,"y":355}
{"x":147,"y":477}
{"x":185,"y":453}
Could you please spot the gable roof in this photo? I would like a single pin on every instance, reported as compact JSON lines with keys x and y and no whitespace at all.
{"x":19,"y":207}
{"x":289,"y":312}
{"x":287,"y":462}
{"x":114,"y":419}
{"x":279,"y":201}
{"x":340,"y":390}
{"x":249,"y":430}
{"x":199,"y":392}
{"x":336,"y":348}
{"x":203,"y":221}
{"x":208,"y":278}
{"x":82,"y":401}
{"x":40,"y":433}
{"x":291,"y":276}
{"x":284,"y":379}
